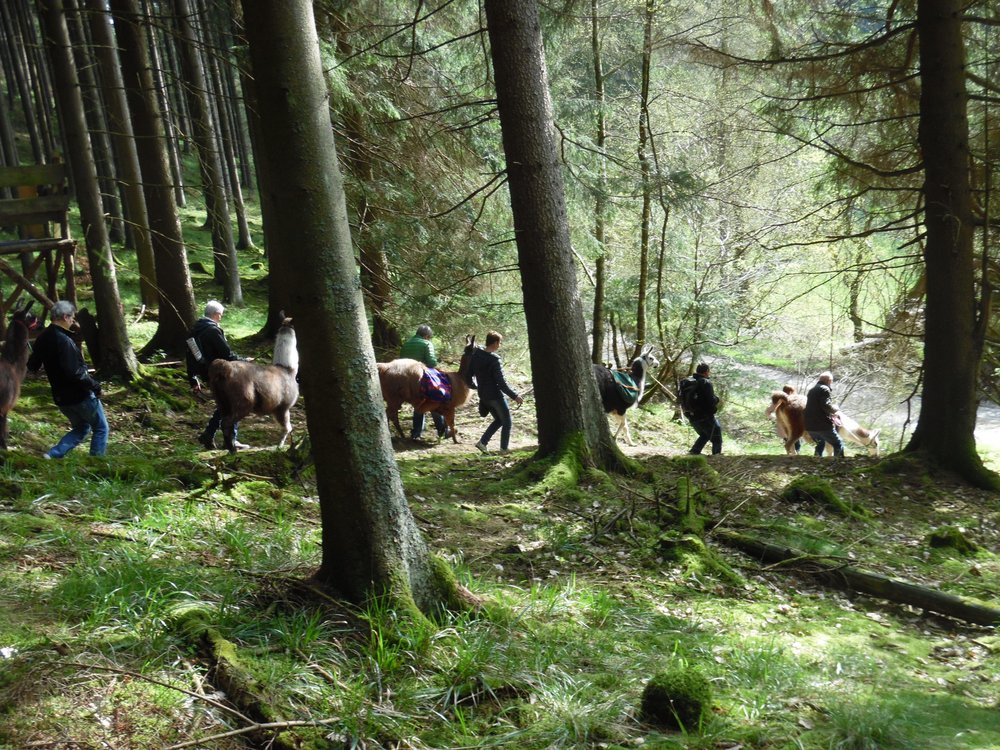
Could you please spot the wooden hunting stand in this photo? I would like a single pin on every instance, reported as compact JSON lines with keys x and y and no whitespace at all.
{"x":42,"y":198}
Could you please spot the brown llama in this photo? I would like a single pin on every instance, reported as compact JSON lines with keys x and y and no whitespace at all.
{"x":788,"y":410}
{"x":13,"y":365}
{"x":245,"y":388}
{"x":400,"y":383}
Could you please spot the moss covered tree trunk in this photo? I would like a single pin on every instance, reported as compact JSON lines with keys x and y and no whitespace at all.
{"x":566,"y":399}
{"x":371,"y":544}
{"x":953,"y":338}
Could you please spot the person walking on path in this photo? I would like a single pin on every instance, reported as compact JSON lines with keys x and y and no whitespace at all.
{"x":487,"y":370}
{"x":207,"y":343}
{"x":74,"y":390}
{"x":821,"y":415}
{"x":704,"y":406}
{"x":421,"y":348}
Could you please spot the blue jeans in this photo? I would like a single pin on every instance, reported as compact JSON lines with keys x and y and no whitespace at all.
{"x":822,"y":437}
{"x":418,"y":423}
{"x":708,"y":429}
{"x":86,"y":416}
{"x":501,"y":421}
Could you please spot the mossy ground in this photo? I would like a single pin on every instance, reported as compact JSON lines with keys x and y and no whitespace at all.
{"x":112,"y":571}
{"x":581,"y":601}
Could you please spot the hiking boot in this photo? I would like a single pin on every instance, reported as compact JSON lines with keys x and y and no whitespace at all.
{"x":504,"y":451}
{"x":240,"y":446}
{"x":207,"y":440}
{"x":482,"y":448}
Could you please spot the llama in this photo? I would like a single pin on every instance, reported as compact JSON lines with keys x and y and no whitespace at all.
{"x":245,"y":388}
{"x":787,"y":408}
{"x":400,"y":383}
{"x":13,"y":365}
{"x":614,"y":403}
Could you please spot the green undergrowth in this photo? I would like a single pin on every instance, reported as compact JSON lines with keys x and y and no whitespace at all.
{"x":137,"y":589}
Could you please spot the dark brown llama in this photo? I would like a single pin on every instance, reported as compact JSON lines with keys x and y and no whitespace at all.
{"x":400,"y":383}
{"x":245,"y":388}
{"x":13,"y":365}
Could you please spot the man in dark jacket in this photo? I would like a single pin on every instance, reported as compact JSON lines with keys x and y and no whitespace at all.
{"x":704,"y":407}
{"x":207,"y":343}
{"x":487,"y":370}
{"x":74,"y":391}
{"x":820,"y":416}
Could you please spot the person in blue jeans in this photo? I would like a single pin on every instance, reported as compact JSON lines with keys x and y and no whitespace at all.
{"x":75,"y":392}
{"x":421,"y":348}
{"x":487,"y":370}
{"x":703,"y":418}
{"x":821,"y":415}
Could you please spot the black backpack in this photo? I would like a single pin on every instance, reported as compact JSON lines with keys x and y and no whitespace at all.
{"x":687,"y":395}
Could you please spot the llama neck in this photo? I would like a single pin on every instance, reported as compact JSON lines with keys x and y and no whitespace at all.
{"x":639,"y":376}
{"x":286,"y":353}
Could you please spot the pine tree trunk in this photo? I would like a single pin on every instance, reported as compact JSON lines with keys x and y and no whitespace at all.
{"x":568,"y":406}
{"x":647,"y":188}
{"x":105,"y":46}
{"x":371,"y":544}
{"x":173,"y":278}
{"x":601,"y":192}
{"x":204,"y":133}
{"x":117,"y":357}
{"x":952,"y":339}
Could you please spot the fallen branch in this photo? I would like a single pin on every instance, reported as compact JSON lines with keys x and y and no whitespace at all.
{"x":852,"y":579}
{"x":253,"y":728}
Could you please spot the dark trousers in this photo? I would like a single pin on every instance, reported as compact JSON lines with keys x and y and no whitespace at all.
{"x":418,"y":424}
{"x":502,"y":421}
{"x":214,"y":423}
{"x":708,"y":429}
{"x":822,"y":437}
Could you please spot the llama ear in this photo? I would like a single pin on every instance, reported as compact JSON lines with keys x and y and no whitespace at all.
{"x":874,"y":434}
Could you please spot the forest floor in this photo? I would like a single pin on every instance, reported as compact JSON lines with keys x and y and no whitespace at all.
{"x":589,"y":591}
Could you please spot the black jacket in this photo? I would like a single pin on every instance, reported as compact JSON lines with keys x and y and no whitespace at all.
{"x":707,"y":403}
{"x":57,"y":352}
{"x":211,"y":340}
{"x":819,"y":407}
{"x":488,"y":372}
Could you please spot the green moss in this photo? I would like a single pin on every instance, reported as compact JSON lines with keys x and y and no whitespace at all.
{"x":811,"y":489}
{"x":679,"y":698}
{"x":950,"y":537}
{"x":695,"y":558}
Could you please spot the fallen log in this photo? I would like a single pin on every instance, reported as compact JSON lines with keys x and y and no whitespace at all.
{"x":848,"y":578}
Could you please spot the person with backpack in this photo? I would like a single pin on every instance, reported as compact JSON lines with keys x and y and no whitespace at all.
{"x":421,"y":348}
{"x":821,"y":415}
{"x":207,"y":343}
{"x":699,"y":404}
{"x":487,"y":371}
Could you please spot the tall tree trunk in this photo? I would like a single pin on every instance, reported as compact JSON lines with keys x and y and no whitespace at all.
{"x":96,"y":123}
{"x":601,"y":192}
{"x":568,"y":407}
{"x":162,"y":94}
{"x":204,"y":134}
{"x":116,"y":355}
{"x":19,"y":73}
{"x":38,"y":75}
{"x":223,"y":112}
{"x":953,"y":338}
{"x":173,"y":278}
{"x":120,"y":122}
{"x":371,"y":543}
{"x":647,"y":189}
